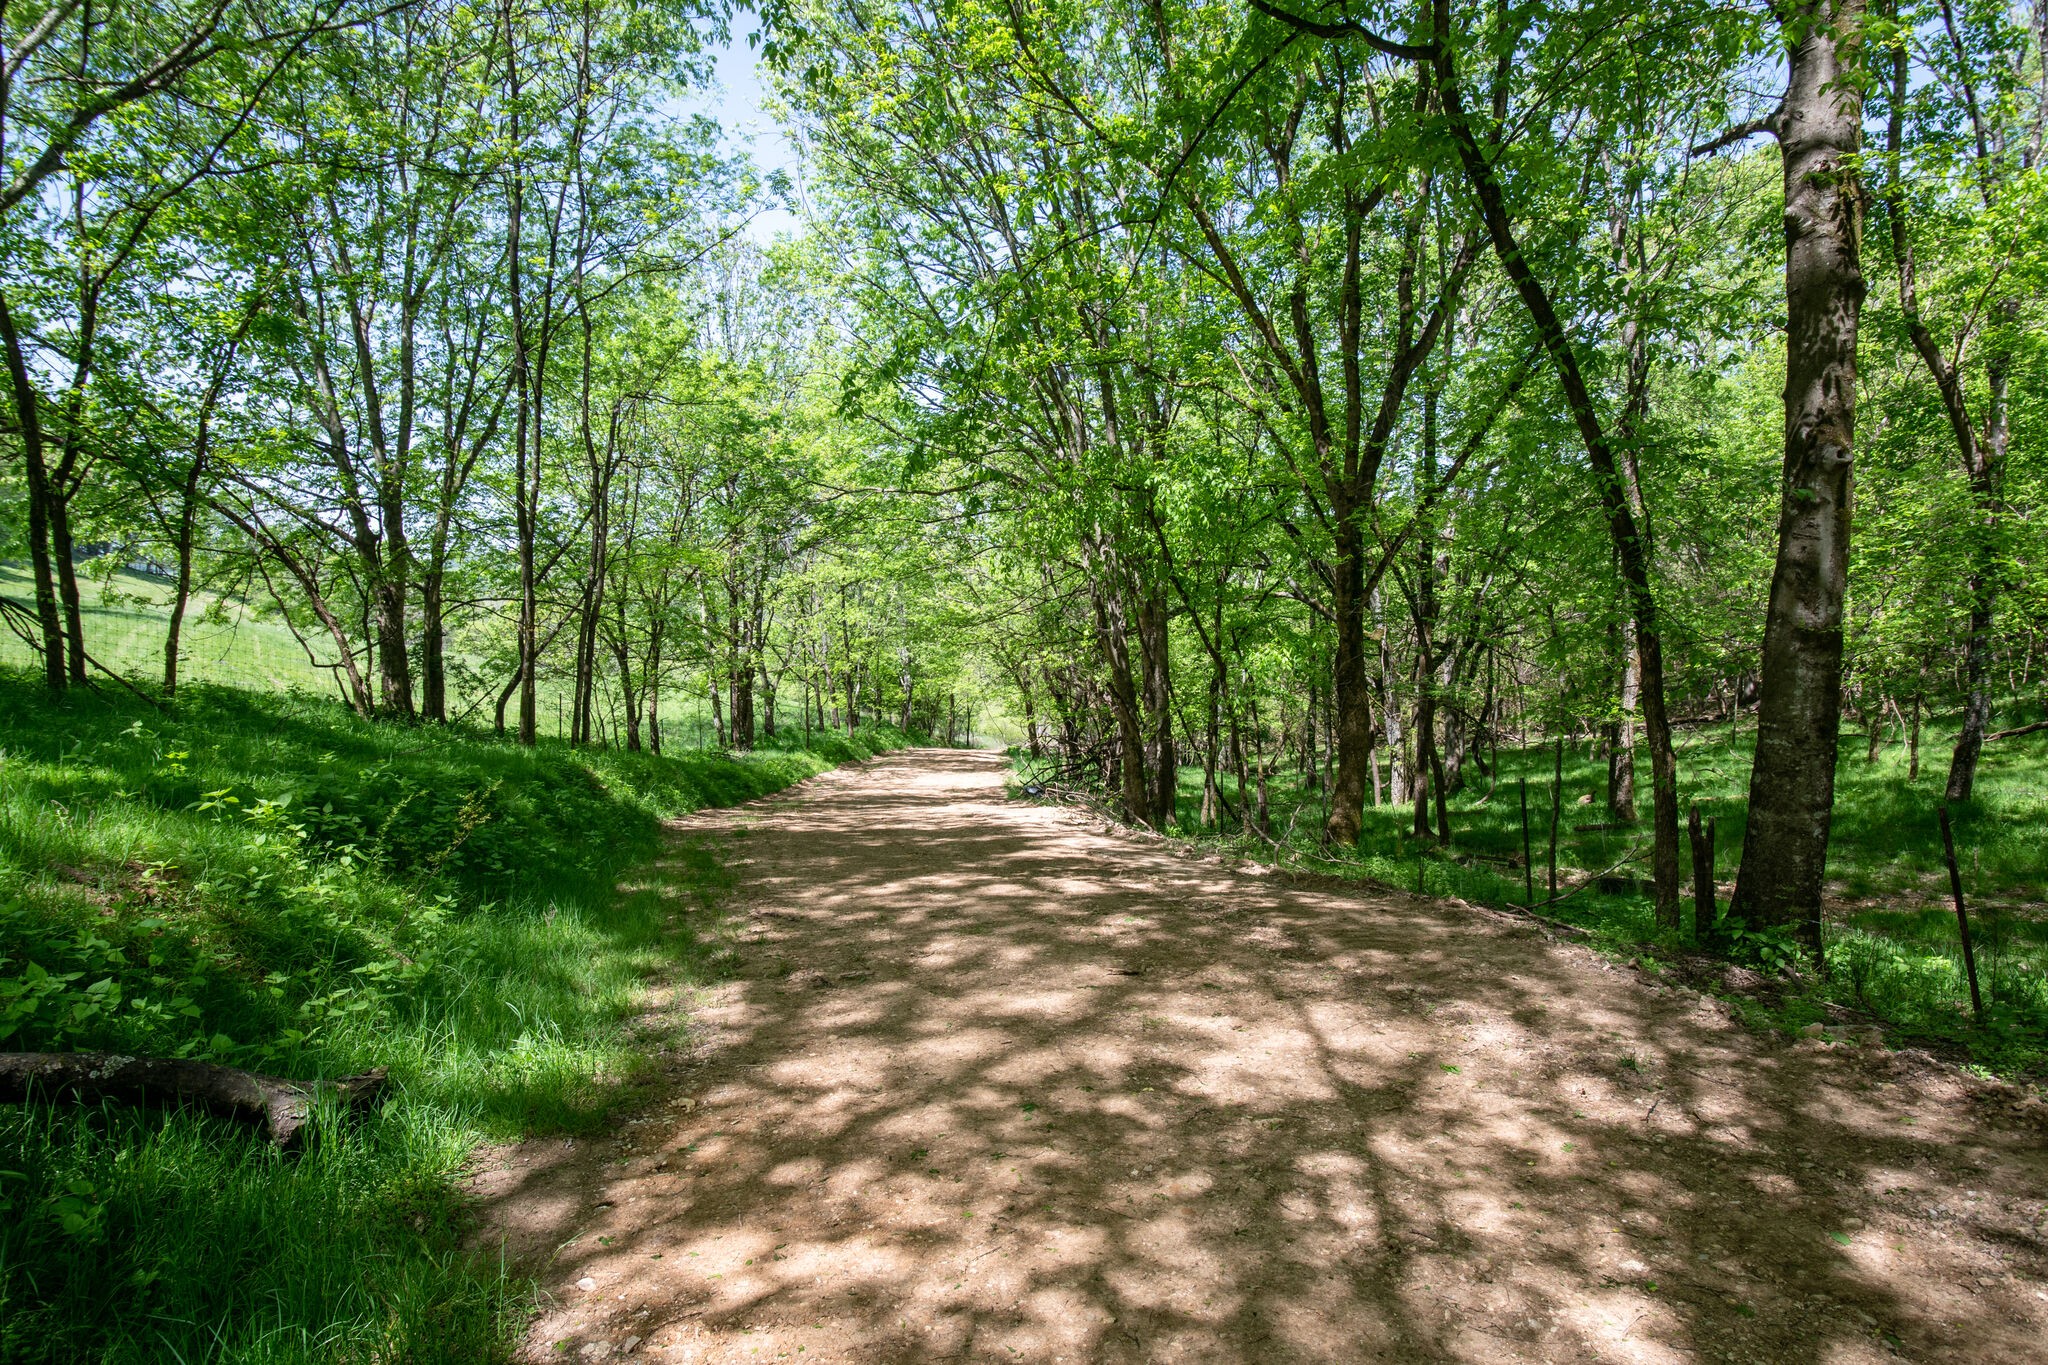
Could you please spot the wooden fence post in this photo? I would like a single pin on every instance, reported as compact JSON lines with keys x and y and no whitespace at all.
{"x":1702,"y":877}
{"x":1556,"y":808}
{"x":1955,"y":884}
{"x":1528,"y":858}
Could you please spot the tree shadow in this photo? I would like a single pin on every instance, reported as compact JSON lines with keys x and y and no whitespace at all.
{"x":992,"y":1085}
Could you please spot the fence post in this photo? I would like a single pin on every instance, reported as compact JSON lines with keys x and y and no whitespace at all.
{"x":1702,"y":877}
{"x":1955,"y":884}
{"x":1556,"y":807}
{"x":1528,"y":859}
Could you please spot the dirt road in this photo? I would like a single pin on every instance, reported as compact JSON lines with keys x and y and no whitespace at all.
{"x":993,"y":1083}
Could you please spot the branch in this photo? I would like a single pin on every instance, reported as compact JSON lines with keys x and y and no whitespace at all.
{"x":1767,"y":124}
{"x":1348,"y":28}
{"x":282,"y":1107}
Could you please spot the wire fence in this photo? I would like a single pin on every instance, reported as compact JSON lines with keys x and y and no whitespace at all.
{"x":126,"y":619}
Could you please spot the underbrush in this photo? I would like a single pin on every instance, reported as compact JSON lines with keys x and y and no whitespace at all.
{"x":1893,"y":953}
{"x":269,"y":882}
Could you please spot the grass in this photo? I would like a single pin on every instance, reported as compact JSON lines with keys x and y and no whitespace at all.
{"x":233,"y":643}
{"x":124,"y":618}
{"x":1893,"y":951}
{"x":265,"y":880}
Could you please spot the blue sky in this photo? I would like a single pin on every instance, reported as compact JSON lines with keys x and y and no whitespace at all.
{"x":736,"y":102}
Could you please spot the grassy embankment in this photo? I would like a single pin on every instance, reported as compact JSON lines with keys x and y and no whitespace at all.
{"x":265,"y":880}
{"x":1892,"y":945}
{"x":240,"y":644}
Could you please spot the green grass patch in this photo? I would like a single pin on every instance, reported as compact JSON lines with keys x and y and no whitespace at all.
{"x":267,"y":881}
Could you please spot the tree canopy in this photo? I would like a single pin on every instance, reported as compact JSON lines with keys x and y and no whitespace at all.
{"x":1278,"y":392}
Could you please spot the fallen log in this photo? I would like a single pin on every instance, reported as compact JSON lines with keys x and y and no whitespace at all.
{"x":282,"y":1107}
{"x":2016,"y":731}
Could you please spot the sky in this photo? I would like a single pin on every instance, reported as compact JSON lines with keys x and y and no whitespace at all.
{"x":735,"y":100}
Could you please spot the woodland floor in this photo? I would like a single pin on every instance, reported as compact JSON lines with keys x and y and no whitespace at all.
{"x":990,"y":1082}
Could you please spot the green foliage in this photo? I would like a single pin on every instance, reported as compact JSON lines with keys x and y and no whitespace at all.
{"x":268,"y":881}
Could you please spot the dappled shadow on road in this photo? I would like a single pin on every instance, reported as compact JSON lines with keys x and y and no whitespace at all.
{"x":992,"y":1083}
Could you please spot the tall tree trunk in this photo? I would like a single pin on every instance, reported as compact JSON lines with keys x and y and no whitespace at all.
{"x":907,"y":680}
{"x":1113,"y":639}
{"x":1351,"y":682}
{"x":505,"y":697}
{"x":188,"y":515}
{"x":433,"y":647}
{"x":1161,"y":759}
{"x":28,"y":418}
{"x":527,"y":421}
{"x":1982,"y":455}
{"x":583,"y":683}
{"x":1212,"y":812}
{"x":1396,"y":734}
{"x":394,"y":668}
{"x":64,"y":558}
{"x":741,"y":719}
{"x":1799,"y":710}
{"x":1622,"y":523}
{"x":1984,"y":471}
{"x":1621,"y":748}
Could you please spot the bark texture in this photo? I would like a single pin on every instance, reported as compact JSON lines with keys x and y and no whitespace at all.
{"x":1799,"y":708}
{"x":281,"y":1107}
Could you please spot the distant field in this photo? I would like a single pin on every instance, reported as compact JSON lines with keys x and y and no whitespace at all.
{"x":233,"y":643}
{"x":224,"y":641}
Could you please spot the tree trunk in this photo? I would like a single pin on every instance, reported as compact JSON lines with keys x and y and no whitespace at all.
{"x":1351,"y":682}
{"x":1982,"y":456}
{"x":1112,"y":636}
{"x":1212,"y":740}
{"x":433,"y":648}
{"x":907,"y":680}
{"x":1799,"y":710}
{"x":282,"y":1107}
{"x":394,"y":668}
{"x":28,"y":419}
{"x":1031,"y":740}
{"x":64,"y":556}
{"x":505,"y":696}
{"x":741,"y":718}
{"x":188,"y":514}
{"x":1396,"y":735}
{"x":528,"y":414}
{"x":1621,"y":749}
{"x":1161,"y":759}
{"x":1622,"y":524}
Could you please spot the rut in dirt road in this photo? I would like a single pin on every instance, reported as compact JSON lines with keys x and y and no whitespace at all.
{"x":993,"y":1083}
